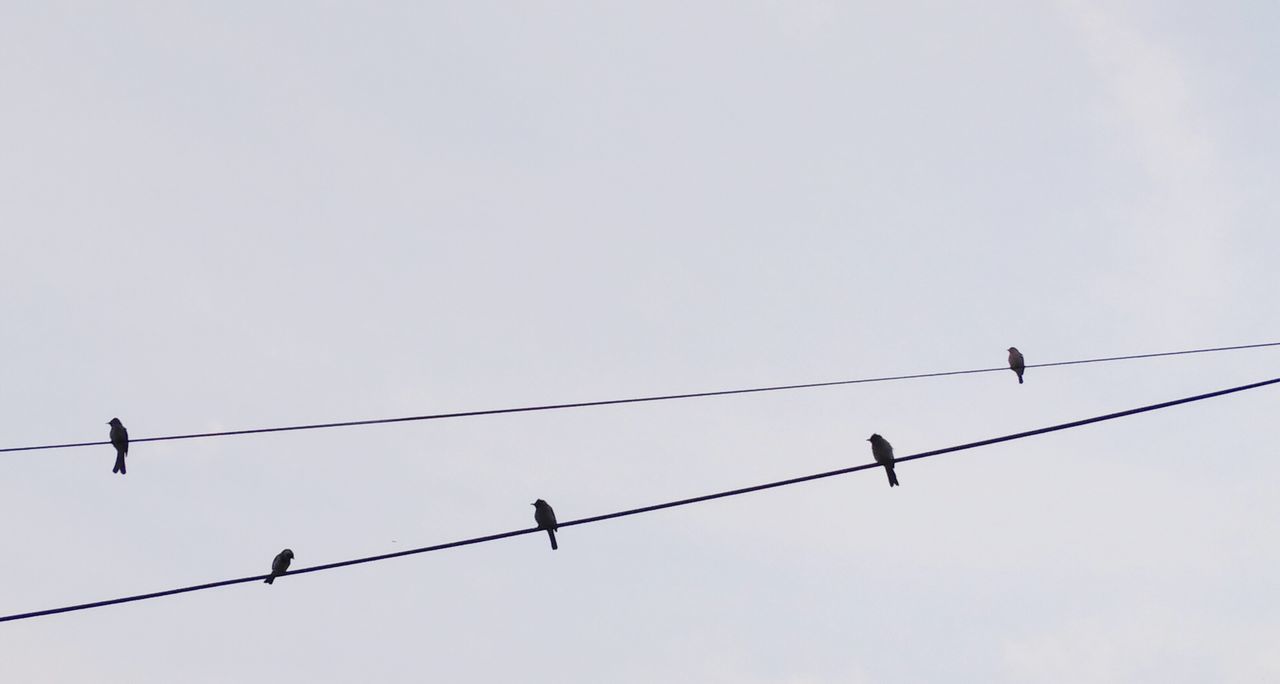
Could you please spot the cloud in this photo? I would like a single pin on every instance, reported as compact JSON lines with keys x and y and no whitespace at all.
{"x":1151,"y":644}
{"x":1172,"y":237}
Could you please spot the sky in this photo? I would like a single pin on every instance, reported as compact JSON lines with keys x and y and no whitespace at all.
{"x":236,"y":215}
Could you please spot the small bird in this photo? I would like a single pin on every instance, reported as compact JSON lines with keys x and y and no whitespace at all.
{"x":1016,"y":363}
{"x":546,"y":519}
{"x":883,"y":451}
{"x":119,"y":440}
{"x":279,"y":565}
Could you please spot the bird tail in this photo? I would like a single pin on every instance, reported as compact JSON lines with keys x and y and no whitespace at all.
{"x":893,"y":478}
{"x":1019,"y":378}
{"x":552,"y":534}
{"x":271,"y":579}
{"x":119,"y":467}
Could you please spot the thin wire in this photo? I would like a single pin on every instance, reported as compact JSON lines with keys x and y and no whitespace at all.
{"x":650,"y":508}
{"x":631,"y":400}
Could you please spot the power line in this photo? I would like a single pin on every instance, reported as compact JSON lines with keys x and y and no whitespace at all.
{"x":630,"y":400}
{"x":650,"y":508}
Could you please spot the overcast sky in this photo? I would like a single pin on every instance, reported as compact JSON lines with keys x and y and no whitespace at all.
{"x":243,"y":214}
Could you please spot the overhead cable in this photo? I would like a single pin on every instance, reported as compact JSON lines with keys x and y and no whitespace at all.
{"x":647,"y":509}
{"x":630,"y":400}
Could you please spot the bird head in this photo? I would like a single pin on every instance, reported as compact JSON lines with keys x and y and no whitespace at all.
{"x":874,"y":437}
{"x":287,"y":553}
{"x":539,"y":502}
{"x":114,"y":422}
{"x":1013,"y":349}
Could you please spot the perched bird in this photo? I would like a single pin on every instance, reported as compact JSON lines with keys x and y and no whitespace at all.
{"x":1016,"y":363}
{"x":279,"y":565}
{"x":883,"y":451}
{"x":546,"y":519}
{"x":119,"y":440}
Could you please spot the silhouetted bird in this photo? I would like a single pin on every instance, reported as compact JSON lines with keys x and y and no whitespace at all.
{"x":883,"y":451}
{"x":119,"y":440}
{"x":279,"y":565}
{"x":546,"y":519}
{"x":1016,"y":362}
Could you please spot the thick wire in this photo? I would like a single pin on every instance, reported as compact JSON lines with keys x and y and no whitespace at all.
{"x":631,"y":400}
{"x":650,"y":508}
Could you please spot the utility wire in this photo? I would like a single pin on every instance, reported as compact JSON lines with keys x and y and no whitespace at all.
{"x":647,"y":509}
{"x":631,"y":400}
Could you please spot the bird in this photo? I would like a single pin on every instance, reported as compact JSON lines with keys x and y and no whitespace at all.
{"x":279,"y":565}
{"x":883,"y":451}
{"x":1016,"y":363}
{"x":546,"y":519}
{"x":119,"y":440}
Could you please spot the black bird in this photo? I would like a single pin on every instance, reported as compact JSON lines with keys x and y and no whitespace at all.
{"x":883,"y":451}
{"x":279,"y":565}
{"x":119,"y":440}
{"x":1016,"y":363}
{"x":546,"y":519}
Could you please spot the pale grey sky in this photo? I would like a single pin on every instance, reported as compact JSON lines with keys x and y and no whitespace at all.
{"x":247,"y":214}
